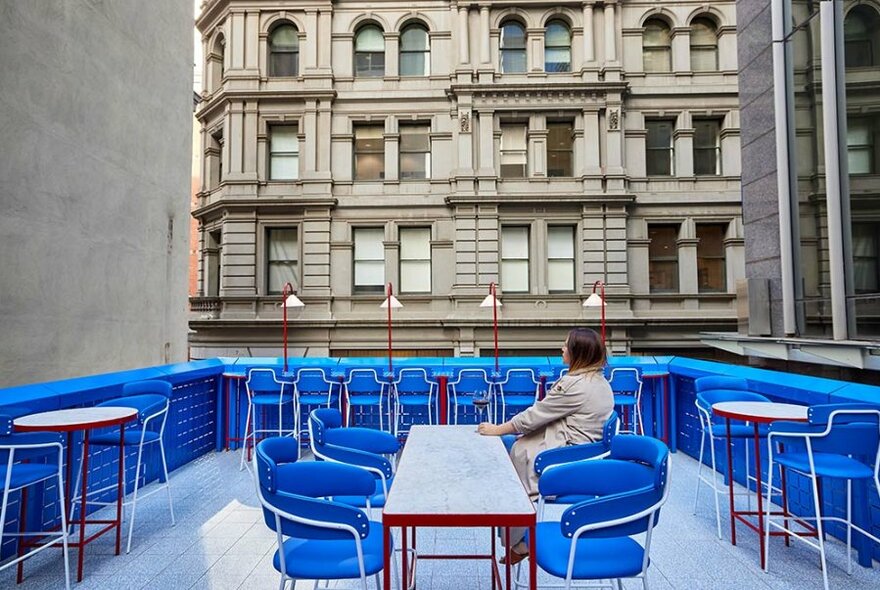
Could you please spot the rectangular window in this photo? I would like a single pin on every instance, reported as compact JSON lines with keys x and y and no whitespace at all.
{"x":214,"y":155}
{"x":707,"y":148}
{"x":369,"y":259}
{"x":866,"y":257}
{"x":415,"y":260}
{"x":213,"y":251}
{"x":711,"y":267}
{"x":283,"y":153}
{"x":658,"y":146}
{"x":663,"y":258}
{"x":860,"y":135}
{"x":282,"y":258}
{"x":560,"y":141}
{"x":415,"y":152}
{"x":560,"y":259}
{"x":513,"y":150}
{"x":369,"y":152}
{"x":515,"y":259}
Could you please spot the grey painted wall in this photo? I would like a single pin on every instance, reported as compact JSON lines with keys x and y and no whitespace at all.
{"x":95,"y":122}
{"x":760,"y":211}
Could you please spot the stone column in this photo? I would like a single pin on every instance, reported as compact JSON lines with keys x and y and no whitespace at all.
{"x":589,"y":36}
{"x":687,"y":258}
{"x":537,"y":145}
{"x":323,"y":41}
{"x":683,"y":140}
{"x":323,"y":139}
{"x":392,"y":50}
{"x":681,"y":50}
{"x":310,"y":125}
{"x":610,"y":34}
{"x":463,"y":36}
{"x":485,"y":53}
{"x":392,"y":151}
{"x":487,"y":144}
{"x":251,"y":41}
{"x":311,"y":47}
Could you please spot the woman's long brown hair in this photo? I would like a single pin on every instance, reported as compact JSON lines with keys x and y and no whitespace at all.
{"x":586,"y":351}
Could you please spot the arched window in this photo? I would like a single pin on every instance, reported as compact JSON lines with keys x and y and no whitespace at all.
{"x":215,"y":64}
{"x":513,"y":48}
{"x":704,"y":45}
{"x":557,"y":47}
{"x":657,"y":46}
{"x":284,"y":51}
{"x":415,"y":51}
{"x":369,"y":52}
{"x":860,"y":37}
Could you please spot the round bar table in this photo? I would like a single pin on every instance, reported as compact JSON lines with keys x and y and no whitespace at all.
{"x":85,"y":419}
{"x":757,"y":413}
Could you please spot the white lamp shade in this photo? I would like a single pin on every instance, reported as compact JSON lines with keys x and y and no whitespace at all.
{"x":487,"y":302}
{"x":293,"y":301}
{"x":392,"y":301}
{"x":594,"y":301}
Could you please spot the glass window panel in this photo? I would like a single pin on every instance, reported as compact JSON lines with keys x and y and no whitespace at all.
{"x":659,"y":148}
{"x":560,"y":275}
{"x":282,"y":244}
{"x":368,"y":243}
{"x":414,"y":38}
{"x":415,"y":276}
{"x":557,"y":47}
{"x":415,"y":243}
{"x":284,"y":37}
{"x":704,"y":60}
{"x":659,"y":134}
{"x":557,"y":60}
{"x":414,"y":166}
{"x":515,"y":276}
{"x":414,"y":64}
{"x":560,"y":241}
{"x":663,"y":258}
{"x":279,"y":274}
{"x":513,"y":61}
{"x":656,"y":34}
{"x":658,"y":60}
{"x":711,"y":267}
{"x":860,"y":36}
{"x":559,"y":149}
{"x":369,"y":273}
{"x":284,"y":168}
{"x":515,"y":242}
{"x":703,"y":32}
{"x":557,"y":35}
{"x":370,"y":38}
{"x":284,"y":139}
{"x":415,"y":138}
{"x":369,"y":149}
{"x":513,"y":36}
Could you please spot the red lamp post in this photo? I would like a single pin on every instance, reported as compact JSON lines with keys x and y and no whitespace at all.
{"x":288,"y":299}
{"x":389,"y":303}
{"x":491,"y":300}
{"x":597,"y":300}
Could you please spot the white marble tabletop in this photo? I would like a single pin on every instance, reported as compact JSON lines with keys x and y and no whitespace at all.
{"x":452,"y":470}
{"x":761,"y":411}
{"x":75,"y":419}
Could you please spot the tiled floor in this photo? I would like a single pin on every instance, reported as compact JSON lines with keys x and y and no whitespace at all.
{"x":220,"y":542}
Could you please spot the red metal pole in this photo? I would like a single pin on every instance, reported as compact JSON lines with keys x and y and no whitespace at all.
{"x":388,"y":300}
{"x":602,"y":286}
{"x":492,"y":289}
{"x":285,"y":291}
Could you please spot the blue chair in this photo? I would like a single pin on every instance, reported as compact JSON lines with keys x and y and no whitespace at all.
{"x":552,"y":458}
{"x":519,"y":390}
{"x":839,"y":442}
{"x":593,"y":539}
{"x":713,"y":390}
{"x":151,"y":399}
{"x":463,"y":387}
{"x":363,"y":390}
{"x":265,"y":391}
{"x":18,"y":477}
{"x":362,"y":447}
{"x":413,"y":389}
{"x":318,"y":538}
{"x":312,"y":388}
{"x":626,"y":384}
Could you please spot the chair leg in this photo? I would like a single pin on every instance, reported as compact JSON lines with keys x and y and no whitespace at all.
{"x":715,"y":484}
{"x":748,"y":474}
{"x":64,"y":530}
{"x":766,"y":531}
{"x":820,"y":534}
{"x":244,"y":446}
{"x":849,"y":527}
{"x":619,"y":584}
{"x":134,"y":494}
{"x":699,"y":470}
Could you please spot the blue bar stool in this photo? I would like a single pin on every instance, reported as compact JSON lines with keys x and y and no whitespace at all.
{"x":363,"y":390}
{"x":627,"y":387}
{"x":839,"y":441}
{"x":413,"y":389}
{"x":20,"y":476}
{"x":151,"y":399}
{"x":312,"y":388}
{"x":519,"y":390}
{"x":264,"y":391}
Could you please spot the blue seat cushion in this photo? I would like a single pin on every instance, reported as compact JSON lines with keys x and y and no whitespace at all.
{"x":377,"y":500}
{"x":738,"y":431}
{"x":132,"y":438}
{"x":519,"y":400}
{"x":271,"y":399}
{"x":312,"y":559}
{"x":616,"y":557}
{"x":413,"y":399}
{"x":24,"y":474}
{"x":827,"y":465}
{"x":364,"y":400}
{"x":624,"y":400}
{"x":315,"y":399}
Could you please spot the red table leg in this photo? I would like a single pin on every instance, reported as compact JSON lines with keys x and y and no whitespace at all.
{"x":667,"y":436}
{"x":444,"y":401}
{"x":730,"y":485}
{"x":82,"y":510}
{"x":22,"y":518}
{"x":404,"y":578}
{"x":120,"y":491}
{"x":228,"y":394}
{"x":533,"y":565}
{"x":507,"y":556}
{"x":760,"y":495}
{"x":386,"y":569}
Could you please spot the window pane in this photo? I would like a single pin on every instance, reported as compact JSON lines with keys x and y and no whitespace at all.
{"x":515,"y":276}
{"x":369,"y":148}
{"x":559,"y":149}
{"x":415,"y":243}
{"x":557,"y":35}
{"x":711,"y":268}
{"x":368,"y":243}
{"x":558,"y":164}
{"x":656,"y":34}
{"x":414,"y":38}
{"x":513,"y":61}
{"x":284,"y":139}
{"x":705,"y":161}
{"x":513,"y":36}
{"x":284,"y":37}
{"x":659,"y":134}
{"x":414,"y":64}
{"x":704,"y":59}
{"x":370,"y":38}
{"x":515,"y":242}
{"x":703,"y":32}
{"x":415,"y":276}
{"x":663,"y":258}
{"x":280,"y":273}
{"x":415,"y":138}
{"x":658,"y":60}
{"x":557,"y":60}
{"x":369,"y":273}
{"x":282,"y":244}
{"x":865,"y":257}
{"x":560,"y":275}
{"x":414,"y":166}
{"x":284,"y":167}
{"x":560,"y":241}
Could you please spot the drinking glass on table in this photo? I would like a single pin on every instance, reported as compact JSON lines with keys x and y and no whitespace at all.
{"x":481,"y":403}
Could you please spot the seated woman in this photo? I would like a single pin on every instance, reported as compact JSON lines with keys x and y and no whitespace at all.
{"x":573,"y":412}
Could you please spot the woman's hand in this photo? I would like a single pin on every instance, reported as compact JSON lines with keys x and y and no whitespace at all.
{"x":489,"y":429}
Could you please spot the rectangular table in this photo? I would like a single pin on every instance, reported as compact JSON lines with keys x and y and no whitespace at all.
{"x":450,"y":476}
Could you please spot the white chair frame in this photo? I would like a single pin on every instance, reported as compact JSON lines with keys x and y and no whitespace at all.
{"x":820,"y":533}
{"x":60,"y":535}
{"x":296,"y":394}
{"x":638,"y":427}
{"x":383,"y":395}
{"x":433,"y":386}
{"x":453,"y":407}
{"x":251,"y":415}
{"x":498,"y":389}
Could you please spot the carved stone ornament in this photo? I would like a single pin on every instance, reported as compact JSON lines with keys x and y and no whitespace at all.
{"x":613,"y":120}
{"x":465,"y":122}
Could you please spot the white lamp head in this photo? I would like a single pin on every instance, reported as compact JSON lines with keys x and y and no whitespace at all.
{"x":392,"y":301}
{"x":488,"y":301}
{"x":293,"y":301}
{"x":594,"y":300}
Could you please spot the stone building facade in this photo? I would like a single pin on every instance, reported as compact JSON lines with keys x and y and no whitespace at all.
{"x":442,"y":146}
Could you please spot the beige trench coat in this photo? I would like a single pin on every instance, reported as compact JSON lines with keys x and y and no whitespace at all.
{"x":573,"y":412}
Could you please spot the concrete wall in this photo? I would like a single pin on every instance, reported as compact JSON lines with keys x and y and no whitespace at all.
{"x":760,"y":212}
{"x":95,"y":117}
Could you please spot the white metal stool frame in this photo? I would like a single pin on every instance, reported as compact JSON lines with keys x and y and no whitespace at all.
{"x":251,"y":414}
{"x":453,"y":383}
{"x":432,"y":400}
{"x":296,"y":394}
{"x":385,"y":389}
{"x":62,"y":533}
{"x":814,"y":481}
{"x":638,"y":426}
{"x":163,"y":413}
{"x":498,"y":390}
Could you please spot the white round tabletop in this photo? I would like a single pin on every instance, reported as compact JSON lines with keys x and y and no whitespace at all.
{"x":762,"y":412}
{"x":75,"y":419}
